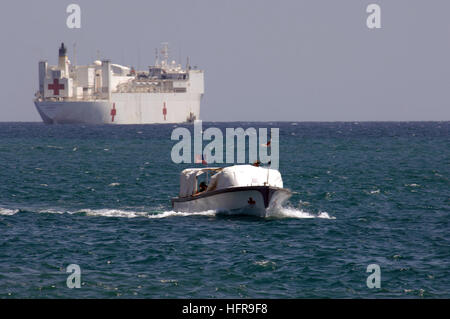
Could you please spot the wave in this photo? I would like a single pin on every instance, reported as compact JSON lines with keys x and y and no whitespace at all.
{"x":8,"y":212}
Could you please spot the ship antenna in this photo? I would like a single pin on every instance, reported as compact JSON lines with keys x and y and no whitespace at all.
{"x":74,"y":54}
{"x":156,"y":57}
{"x":165,"y":52}
{"x":139,"y":56}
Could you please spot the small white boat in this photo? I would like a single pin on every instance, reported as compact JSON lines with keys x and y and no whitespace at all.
{"x":239,"y":189}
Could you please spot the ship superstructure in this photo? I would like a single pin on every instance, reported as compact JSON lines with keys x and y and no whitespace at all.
{"x":107,"y":93}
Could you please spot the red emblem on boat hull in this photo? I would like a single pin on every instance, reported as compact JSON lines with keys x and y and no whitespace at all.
{"x":113,"y":112}
{"x":165,"y":111}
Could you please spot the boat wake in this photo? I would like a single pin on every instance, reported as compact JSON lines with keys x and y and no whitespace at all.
{"x":133,"y":214}
{"x":273,"y":213}
{"x":291,"y":212}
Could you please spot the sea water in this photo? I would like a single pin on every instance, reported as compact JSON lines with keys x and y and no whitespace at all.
{"x":99,"y":197}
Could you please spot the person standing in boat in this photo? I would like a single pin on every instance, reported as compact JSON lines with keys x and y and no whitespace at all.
{"x":256,"y":163}
{"x":202,"y":187}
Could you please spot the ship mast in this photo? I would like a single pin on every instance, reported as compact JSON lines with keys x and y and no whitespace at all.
{"x":165,"y":53}
{"x":74,"y":54}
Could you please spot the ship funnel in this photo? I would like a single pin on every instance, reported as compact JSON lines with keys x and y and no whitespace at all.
{"x":63,"y":61}
{"x":62,"y":50}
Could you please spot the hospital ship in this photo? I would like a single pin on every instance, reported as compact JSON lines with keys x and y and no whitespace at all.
{"x":108,"y":93}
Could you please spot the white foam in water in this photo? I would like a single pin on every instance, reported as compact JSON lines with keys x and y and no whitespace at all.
{"x":181,"y":214}
{"x":112,"y":213}
{"x":134,"y":214}
{"x":325,"y":215}
{"x":105,"y":212}
{"x":51,"y":211}
{"x":114,"y":184}
{"x":291,"y":212}
{"x":275,"y":212}
{"x":95,"y":212}
{"x":8,"y":212}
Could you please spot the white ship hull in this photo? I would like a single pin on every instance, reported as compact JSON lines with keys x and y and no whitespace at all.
{"x":252,"y":200}
{"x":124,"y":108}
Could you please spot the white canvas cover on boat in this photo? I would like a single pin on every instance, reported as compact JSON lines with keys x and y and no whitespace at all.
{"x":188,"y":180}
{"x":233,"y":176}
{"x":245,"y":175}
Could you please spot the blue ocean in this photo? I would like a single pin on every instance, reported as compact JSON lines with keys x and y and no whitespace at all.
{"x":99,"y":197}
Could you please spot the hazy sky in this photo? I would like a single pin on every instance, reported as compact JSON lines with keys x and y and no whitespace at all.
{"x":300,"y":60}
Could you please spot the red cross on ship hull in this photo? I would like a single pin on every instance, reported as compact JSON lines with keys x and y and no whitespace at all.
{"x":165,"y":111}
{"x":56,"y":87}
{"x":113,"y":112}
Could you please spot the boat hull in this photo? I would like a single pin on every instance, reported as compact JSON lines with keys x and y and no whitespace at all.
{"x":251,"y":200}
{"x":123,"y":108}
